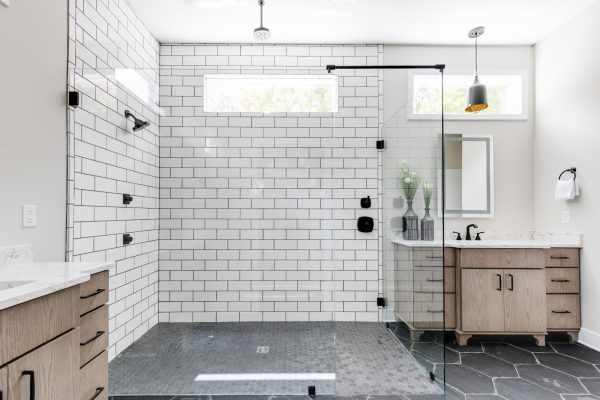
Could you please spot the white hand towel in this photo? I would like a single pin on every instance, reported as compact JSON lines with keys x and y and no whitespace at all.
{"x":566,"y":190}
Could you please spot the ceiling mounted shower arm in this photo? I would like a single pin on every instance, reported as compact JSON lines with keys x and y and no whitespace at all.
{"x":439,"y":67}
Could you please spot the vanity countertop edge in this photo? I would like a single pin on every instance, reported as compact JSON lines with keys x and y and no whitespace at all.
{"x":44,"y":278}
{"x":487,"y":244}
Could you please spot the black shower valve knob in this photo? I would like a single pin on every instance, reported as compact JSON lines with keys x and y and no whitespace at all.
{"x":365,"y":224}
{"x":127,"y":198}
{"x":365,"y":202}
{"x":127,"y":239}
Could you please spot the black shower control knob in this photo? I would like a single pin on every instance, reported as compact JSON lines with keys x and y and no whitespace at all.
{"x":127,"y":239}
{"x":127,"y":198}
{"x":365,"y":202}
{"x":365,"y":224}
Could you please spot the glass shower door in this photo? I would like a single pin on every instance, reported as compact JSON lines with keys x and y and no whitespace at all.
{"x":390,"y":278}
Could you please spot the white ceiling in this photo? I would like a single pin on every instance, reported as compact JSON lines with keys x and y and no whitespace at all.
{"x":356,"y":21}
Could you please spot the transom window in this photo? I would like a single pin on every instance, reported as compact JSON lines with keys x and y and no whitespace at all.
{"x":507,"y":96}
{"x":270,"y":93}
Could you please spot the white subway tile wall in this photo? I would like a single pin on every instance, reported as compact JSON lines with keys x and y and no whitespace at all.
{"x":258,"y":211}
{"x":107,"y":159}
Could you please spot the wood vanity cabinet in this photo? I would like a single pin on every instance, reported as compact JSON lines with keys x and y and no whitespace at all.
{"x":54,"y":347}
{"x":3,"y":383}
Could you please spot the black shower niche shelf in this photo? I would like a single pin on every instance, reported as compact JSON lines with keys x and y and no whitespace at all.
{"x":365,"y":224}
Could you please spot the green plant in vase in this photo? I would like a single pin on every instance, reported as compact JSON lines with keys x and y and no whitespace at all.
{"x":409,"y":184}
{"x":427,"y":232}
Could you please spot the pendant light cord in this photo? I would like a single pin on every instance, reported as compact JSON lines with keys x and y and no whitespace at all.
{"x":476,"y":67}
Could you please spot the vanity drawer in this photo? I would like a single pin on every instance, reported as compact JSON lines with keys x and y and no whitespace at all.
{"x":562,"y":257}
{"x":432,"y":313}
{"x":93,"y":293}
{"x":94,"y":379}
{"x":434,"y":280}
{"x":428,"y":257}
{"x":502,"y":258}
{"x":563,"y":311}
{"x":562,"y":280}
{"x":33,"y":323}
{"x":94,"y":334}
{"x":3,"y":383}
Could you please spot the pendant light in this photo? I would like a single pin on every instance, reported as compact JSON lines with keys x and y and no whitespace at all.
{"x":476,"y":97}
{"x":262,"y":33}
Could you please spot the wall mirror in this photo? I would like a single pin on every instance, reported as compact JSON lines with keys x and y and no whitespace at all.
{"x":469,"y":176}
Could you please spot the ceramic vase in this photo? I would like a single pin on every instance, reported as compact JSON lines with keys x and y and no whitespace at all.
{"x":427,"y":226}
{"x":410,"y":223}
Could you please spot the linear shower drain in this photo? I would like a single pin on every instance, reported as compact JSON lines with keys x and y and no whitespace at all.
{"x":262,"y":349}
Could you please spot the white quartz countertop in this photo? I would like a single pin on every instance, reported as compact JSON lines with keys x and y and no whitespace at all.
{"x":25,"y":282}
{"x":488,"y":244}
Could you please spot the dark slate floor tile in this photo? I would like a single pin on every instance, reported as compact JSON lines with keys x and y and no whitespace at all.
{"x":142,"y":397}
{"x":491,"y":366}
{"x":434,"y":352}
{"x":550,"y":379}
{"x":520,"y":389}
{"x":580,"y":397}
{"x":578,"y":351}
{"x":510,"y":354}
{"x":484,"y":397}
{"x":568,"y":365}
{"x":592,"y":385}
{"x":467,"y":380}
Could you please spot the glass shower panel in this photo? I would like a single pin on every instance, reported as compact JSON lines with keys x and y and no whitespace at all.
{"x":413,"y":241}
{"x":390,"y":280}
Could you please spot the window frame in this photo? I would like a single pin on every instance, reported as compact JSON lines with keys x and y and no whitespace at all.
{"x":523,"y":73}
{"x":333,"y":78}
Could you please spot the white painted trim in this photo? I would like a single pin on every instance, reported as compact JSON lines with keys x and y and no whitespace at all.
{"x":589,"y":338}
{"x":265,"y":377}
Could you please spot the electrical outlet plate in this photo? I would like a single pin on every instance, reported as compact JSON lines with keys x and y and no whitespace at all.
{"x":29,"y":216}
{"x":565,"y":217}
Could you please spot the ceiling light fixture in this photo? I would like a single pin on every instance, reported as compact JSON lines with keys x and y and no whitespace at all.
{"x":476,"y":97}
{"x":262,"y":33}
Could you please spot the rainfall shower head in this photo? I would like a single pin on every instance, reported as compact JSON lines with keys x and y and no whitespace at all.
{"x":262,"y":33}
{"x":138,"y":123}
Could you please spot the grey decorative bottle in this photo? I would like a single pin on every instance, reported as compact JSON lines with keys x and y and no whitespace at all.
{"x":427,"y":226}
{"x":410,"y":223}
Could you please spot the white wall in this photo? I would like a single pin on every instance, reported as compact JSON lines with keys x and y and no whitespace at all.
{"x":248,"y":200}
{"x":33,"y":140}
{"x":567,"y":133}
{"x":513,"y":140}
{"x":107,"y":159}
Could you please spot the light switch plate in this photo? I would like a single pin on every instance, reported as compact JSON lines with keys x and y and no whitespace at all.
{"x":29,"y":216}
{"x":566,"y":217}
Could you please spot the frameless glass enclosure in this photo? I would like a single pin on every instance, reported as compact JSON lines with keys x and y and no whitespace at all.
{"x":246,"y":273}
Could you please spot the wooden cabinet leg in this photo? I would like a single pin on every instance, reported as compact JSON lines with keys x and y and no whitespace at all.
{"x":573,"y":336}
{"x":415,"y":335}
{"x":462,"y":339}
{"x":540,"y":340}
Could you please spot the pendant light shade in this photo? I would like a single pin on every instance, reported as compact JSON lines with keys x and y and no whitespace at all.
{"x":476,"y":96}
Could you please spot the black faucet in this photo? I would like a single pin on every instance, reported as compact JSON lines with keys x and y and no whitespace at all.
{"x":469,"y":231}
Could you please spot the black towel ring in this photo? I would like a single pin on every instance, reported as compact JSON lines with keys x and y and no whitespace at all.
{"x":572,"y":170}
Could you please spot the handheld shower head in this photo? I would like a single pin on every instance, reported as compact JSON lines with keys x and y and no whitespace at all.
{"x":138,"y":124}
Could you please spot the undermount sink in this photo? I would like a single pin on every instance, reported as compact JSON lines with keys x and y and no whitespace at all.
{"x":4,"y":285}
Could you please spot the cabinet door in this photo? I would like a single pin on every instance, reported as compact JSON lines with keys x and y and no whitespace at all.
{"x":50,"y":372}
{"x":482,"y":300}
{"x":3,"y":383}
{"x":525,"y":300}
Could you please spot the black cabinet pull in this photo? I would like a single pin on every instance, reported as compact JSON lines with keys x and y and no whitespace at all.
{"x":31,"y":376}
{"x":1,"y":395}
{"x":561,"y":280}
{"x":559,"y":257}
{"x":435,"y":311}
{"x":512,"y":282}
{"x":561,"y":312}
{"x":96,"y":336}
{"x":434,"y":280}
{"x":435,"y":257}
{"x":96,"y":293}
{"x":97,"y":393}
{"x":499,"y":288}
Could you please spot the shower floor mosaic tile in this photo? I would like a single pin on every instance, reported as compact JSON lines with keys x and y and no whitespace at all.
{"x":344,"y":358}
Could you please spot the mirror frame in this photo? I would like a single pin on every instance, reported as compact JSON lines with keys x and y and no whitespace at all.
{"x":489,"y":140}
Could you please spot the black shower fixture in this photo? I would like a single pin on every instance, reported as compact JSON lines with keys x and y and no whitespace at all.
{"x":138,"y":123}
